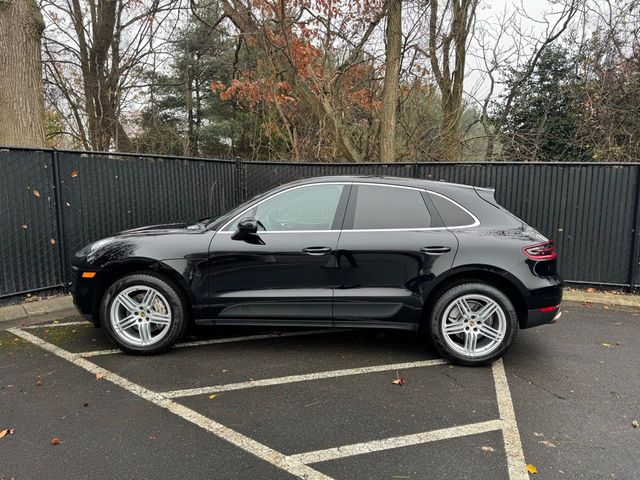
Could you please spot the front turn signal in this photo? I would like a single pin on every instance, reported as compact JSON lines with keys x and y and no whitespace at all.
{"x":88,"y":274}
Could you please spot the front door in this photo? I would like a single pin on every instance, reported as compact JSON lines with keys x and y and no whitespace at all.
{"x":285,"y":273}
{"x":392,"y":246}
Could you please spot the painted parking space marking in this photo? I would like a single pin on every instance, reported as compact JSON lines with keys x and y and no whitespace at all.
{"x":398,"y":442}
{"x":256,"y":448}
{"x":298,"y":464}
{"x":59,"y":324}
{"x":216,"y":341}
{"x":301,"y":378}
{"x":512,"y":442}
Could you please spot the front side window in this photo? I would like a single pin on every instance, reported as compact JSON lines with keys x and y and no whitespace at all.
{"x":382,"y":207}
{"x":310,"y":207}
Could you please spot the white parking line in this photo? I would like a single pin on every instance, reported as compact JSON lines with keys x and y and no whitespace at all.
{"x":300,"y":378}
{"x":60,"y":324}
{"x":267,"y":454}
{"x":397,"y":442}
{"x":297,"y":464}
{"x":512,"y":444}
{"x":215,"y":341}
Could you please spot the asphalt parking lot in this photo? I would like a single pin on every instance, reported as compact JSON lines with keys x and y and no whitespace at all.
{"x":244,"y":403}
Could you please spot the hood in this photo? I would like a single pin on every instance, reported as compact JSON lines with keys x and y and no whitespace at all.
{"x":163,"y":229}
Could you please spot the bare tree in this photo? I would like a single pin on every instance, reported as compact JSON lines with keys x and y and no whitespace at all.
{"x":21,"y":96}
{"x":96,"y":50}
{"x":449,"y":30}
{"x":523,"y":54}
{"x":275,"y":37}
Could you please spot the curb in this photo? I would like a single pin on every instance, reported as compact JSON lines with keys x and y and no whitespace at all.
{"x":602,"y":298}
{"x":62,"y":304}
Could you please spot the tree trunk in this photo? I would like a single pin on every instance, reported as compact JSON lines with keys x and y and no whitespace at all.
{"x":450,"y":128}
{"x":391,"y":80}
{"x":491,"y":141}
{"x":21,"y":94}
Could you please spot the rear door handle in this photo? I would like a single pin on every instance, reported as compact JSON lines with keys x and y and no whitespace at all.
{"x":436,"y":250}
{"x":316,"y":250}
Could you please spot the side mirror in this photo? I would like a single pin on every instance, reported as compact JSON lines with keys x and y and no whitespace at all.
{"x":248,"y":226}
{"x":248,"y":232}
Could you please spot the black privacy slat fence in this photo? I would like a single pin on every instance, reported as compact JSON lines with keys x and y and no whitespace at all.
{"x":53,"y":202}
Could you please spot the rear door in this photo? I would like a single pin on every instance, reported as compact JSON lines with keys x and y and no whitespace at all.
{"x":393,"y":244}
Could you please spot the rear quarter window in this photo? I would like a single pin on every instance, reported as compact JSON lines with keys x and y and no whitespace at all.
{"x":451,"y":213}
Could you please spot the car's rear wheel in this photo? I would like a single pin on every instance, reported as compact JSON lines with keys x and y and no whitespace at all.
{"x":473,"y":323}
{"x":143,"y":313}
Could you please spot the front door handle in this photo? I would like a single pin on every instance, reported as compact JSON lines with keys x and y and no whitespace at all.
{"x":436,"y":250}
{"x":316,"y":250}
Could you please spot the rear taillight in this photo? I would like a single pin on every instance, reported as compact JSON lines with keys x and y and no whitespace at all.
{"x":541,"y":251}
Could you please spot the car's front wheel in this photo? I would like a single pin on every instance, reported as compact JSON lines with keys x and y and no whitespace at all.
{"x":473,"y":323}
{"x":143,"y":313}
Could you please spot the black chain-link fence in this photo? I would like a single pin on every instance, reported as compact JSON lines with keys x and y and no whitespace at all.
{"x":54,"y":202}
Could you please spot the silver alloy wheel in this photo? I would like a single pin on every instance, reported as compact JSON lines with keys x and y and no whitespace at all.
{"x":473,"y":325}
{"x":140,"y":316}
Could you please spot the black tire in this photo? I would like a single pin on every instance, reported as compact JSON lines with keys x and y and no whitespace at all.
{"x":450,"y":295}
{"x":177,"y":305}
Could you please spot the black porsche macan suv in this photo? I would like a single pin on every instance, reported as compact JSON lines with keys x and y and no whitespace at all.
{"x":370,"y":252}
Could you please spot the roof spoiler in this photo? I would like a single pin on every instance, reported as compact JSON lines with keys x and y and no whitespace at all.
{"x":487,"y":194}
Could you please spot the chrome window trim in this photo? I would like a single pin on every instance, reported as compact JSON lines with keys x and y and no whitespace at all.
{"x":475,"y":223}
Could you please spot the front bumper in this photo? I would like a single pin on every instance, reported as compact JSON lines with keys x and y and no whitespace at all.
{"x":82,"y":292}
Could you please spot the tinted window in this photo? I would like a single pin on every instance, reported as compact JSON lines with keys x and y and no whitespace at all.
{"x":452,"y":215}
{"x":305,"y":208}
{"x":389,"y":207}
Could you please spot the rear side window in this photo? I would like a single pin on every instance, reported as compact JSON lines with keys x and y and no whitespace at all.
{"x":452,"y":215}
{"x":380,"y":207}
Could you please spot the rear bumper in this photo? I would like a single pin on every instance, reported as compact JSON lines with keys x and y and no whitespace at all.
{"x":539,"y":316}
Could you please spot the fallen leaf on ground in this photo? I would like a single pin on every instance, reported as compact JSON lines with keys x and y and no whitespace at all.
{"x":591,"y":290}
{"x":55,"y":441}
{"x":605,"y":344}
{"x":531,"y":468}
{"x":487,"y":449}
{"x":74,"y":173}
{"x":99,"y":376}
{"x":4,"y":433}
{"x":36,"y":193}
{"x":38,"y":383}
{"x":25,"y":227}
{"x":53,"y":241}
{"x":399,"y":381}
{"x":636,"y":424}
{"x":605,"y":307}
{"x":212,"y":396}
